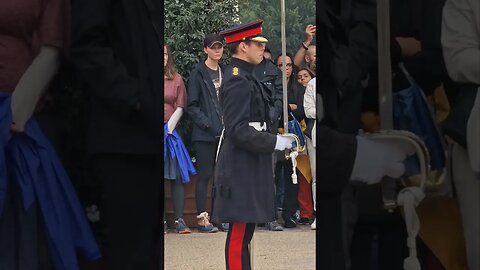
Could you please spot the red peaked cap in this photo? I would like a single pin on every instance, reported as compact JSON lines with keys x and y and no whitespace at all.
{"x":246,"y":31}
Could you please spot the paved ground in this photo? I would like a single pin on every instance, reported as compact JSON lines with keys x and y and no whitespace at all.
{"x":286,"y":250}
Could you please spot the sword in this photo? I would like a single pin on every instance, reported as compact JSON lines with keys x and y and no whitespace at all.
{"x":389,"y":193}
{"x":292,"y":154}
{"x":408,"y":197}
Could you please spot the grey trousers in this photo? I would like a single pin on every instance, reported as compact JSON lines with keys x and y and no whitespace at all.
{"x":468,"y":193}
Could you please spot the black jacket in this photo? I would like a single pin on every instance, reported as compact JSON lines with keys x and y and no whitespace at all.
{"x":117,"y":53}
{"x":419,"y":19}
{"x":346,"y":46}
{"x":244,"y":185}
{"x":203,"y":106}
{"x":271,"y":77}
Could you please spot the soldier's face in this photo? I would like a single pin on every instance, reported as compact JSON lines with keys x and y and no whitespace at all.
{"x":255,"y":52}
{"x":215,"y":52}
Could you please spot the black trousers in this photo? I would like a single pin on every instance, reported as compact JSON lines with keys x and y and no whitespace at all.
{"x":239,"y":236}
{"x":132,"y":185}
{"x":290,"y":200}
{"x":206,"y":152}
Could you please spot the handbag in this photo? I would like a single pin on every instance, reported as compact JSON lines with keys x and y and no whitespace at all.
{"x":295,"y":128}
{"x":412,"y":113}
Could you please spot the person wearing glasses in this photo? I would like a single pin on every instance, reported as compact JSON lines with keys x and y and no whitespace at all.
{"x":283,"y":169}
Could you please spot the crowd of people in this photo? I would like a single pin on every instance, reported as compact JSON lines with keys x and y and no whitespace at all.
{"x":200,"y":99}
{"x":114,"y":49}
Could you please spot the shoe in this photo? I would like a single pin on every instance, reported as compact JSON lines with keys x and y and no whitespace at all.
{"x":314,"y":224}
{"x":181,"y":227}
{"x":304,"y":221}
{"x":290,"y":223}
{"x":273,"y":226}
{"x":224,"y":227}
{"x":165,"y":228}
{"x":204,"y":225}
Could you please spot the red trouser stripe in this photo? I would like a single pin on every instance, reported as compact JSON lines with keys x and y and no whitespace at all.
{"x":235,"y":246}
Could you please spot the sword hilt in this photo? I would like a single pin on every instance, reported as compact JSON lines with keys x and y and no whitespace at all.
{"x":293,"y":154}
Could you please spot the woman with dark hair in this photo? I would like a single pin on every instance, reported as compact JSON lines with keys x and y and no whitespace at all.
{"x":283,"y":170}
{"x":304,"y":75}
{"x":175,"y":171}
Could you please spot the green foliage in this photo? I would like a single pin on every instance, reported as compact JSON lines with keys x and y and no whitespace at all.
{"x":188,"y":21}
{"x":298,"y":14}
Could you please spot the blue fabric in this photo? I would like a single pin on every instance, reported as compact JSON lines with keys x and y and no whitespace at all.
{"x":177,"y":152}
{"x":295,"y":128}
{"x":41,"y":177}
{"x":5,"y":122}
{"x":411,"y":112}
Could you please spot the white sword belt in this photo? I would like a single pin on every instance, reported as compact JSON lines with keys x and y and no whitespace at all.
{"x":260,"y":126}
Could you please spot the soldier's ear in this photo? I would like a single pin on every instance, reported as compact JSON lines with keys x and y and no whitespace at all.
{"x":242,"y":46}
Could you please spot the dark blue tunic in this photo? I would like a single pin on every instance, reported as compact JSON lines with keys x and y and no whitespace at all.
{"x":244,"y":184}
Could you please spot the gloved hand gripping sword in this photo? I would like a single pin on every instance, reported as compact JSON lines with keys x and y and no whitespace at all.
{"x":297,"y":148}
{"x":409,"y":197}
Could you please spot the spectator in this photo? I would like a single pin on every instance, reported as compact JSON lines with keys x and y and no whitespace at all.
{"x":38,"y":203}
{"x":269,"y":75}
{"x":283,"y":169}
{"x":174,"y":94}
{"x":267,"y":54}
{"x":310,"y":106}
{"x":204,"y":109}
{"x":461,"y":49}
{"x":304,"y":75}
{"x":121,"y":71}
{"x":307,"y":52}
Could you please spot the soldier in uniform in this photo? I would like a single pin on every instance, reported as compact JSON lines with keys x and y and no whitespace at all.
{"x":244,"y":188}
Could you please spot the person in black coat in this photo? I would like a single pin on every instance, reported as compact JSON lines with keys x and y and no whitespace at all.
{"x":116,"y":51}
{"x":243,"y":188}
{"x":271,"y":78}
{"x":415,"y":42}
{"x":346,"y":50}
{"x":204,"y":109}
{"x":284,"y":168}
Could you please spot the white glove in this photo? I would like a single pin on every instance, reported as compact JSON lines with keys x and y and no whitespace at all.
{"x":376,"y":159}
{"x":173,"y":121}
{"x":283,"y":143}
